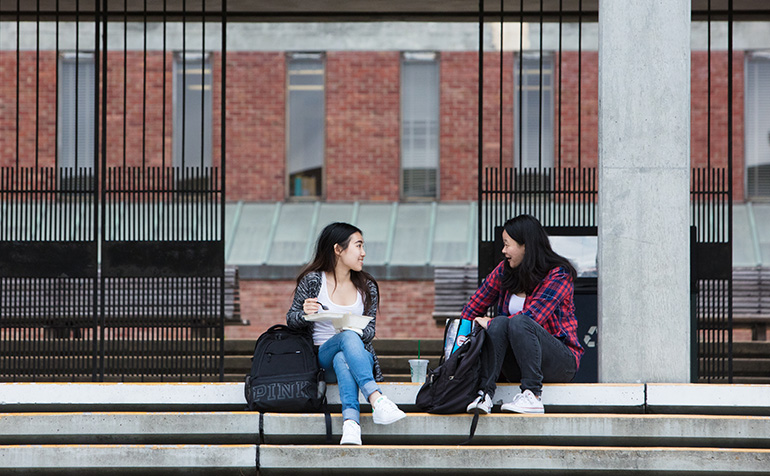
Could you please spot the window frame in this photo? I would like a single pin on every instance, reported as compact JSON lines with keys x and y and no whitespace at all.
{"x":545,"y":159}
{"x":300,"y":56}
{"x":179,"y":160}
{"x":753,"y":145}
{"x":434,"y":59}
{"x":82,"y":128}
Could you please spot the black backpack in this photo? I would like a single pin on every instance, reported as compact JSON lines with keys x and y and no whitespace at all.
{"x":285,"y":375}
{"x":455,"y":383}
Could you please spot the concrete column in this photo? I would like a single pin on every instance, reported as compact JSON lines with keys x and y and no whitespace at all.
{"x":644,"y":170}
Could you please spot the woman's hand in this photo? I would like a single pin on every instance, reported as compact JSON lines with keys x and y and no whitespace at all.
{"x":483,"y":321}
{"x":311,"y":306}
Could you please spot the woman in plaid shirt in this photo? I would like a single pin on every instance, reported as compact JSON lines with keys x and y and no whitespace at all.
{"x":535,"y":332}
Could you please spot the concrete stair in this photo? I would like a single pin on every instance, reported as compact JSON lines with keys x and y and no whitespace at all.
{"x":201,"y":428}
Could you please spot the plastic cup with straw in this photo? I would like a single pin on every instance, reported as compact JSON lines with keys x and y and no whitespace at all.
{"x":418,"y":367}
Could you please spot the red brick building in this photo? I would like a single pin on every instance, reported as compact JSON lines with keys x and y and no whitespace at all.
{"x":362,"y":140}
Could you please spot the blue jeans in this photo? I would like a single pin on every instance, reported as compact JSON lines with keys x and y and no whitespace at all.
{"x":527,"y":353}
{"x":346,"y":361}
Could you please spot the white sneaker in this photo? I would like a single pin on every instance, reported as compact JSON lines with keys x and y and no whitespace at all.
{"x":386,"y":412}
{"x":482,"y":402}
{"x":351,"y":433}
{"x":525,"y":402}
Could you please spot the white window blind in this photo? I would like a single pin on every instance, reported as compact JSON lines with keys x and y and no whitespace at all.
{"x":76,"y":117}
{"x":758,"y":124}
{"x":192,"y":111}
{"x":419,"y":124}
{"x":530,"y":114}
{"x":306,"y":121}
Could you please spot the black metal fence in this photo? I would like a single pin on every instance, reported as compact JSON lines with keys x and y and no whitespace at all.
{"x":112,"y":260}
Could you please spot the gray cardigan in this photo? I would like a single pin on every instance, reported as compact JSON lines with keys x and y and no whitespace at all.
{"x":310,"y":287}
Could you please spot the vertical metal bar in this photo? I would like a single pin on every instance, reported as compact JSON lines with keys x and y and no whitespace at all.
{"x":144,"y":87}
{"x":125,"y":77}
{"x":77,"y":78}
{"x":580,"y":82}
{"x":521,"y":85}
{"x":480,"y":132}
{"x":223,"y":184}
{"x":184,"y":79}
{"x":94,"y":191}
{"x":18,"y":73}
{"x":708,"y":93}
{"x":502,"y":48}
{"x":540,"y":98}
{"x":561,"y":52}
{"x":203,"y":85}
{"x":730,"y":184}
{"x":56,"y":101}
{"x":163,"y":100}
{"x":37,"y":84}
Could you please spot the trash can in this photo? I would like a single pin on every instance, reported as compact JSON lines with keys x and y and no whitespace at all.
{"x":586,"y":312}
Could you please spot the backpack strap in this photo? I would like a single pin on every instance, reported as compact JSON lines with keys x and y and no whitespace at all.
{"x":474,"y":423}
{"x":328,"y":420}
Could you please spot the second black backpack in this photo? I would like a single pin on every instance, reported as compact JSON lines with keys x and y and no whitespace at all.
{"x":455,"y":383}
{"x":285,"y":375}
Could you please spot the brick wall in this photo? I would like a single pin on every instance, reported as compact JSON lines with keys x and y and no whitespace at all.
{"x":579,"y":136}
{"x":405,"y":308}
{"x":256,"y":114}
{"x":699,"y":117}
{"x":362,"y":129}
{"x":362,"y":126}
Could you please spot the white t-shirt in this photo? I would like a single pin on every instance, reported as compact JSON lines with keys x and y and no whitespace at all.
{"x":324,"y":330}
{"x":515,"y":304}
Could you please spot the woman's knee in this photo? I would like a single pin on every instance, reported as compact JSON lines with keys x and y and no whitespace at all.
{"x":350,"y":338}
{"x":339,"y":362}
{"x":520,"y":323}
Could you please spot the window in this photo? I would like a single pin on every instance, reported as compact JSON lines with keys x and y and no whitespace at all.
{"x":758,"y":124}
{"x":419,"y":124}
{"x":531,"y":120}
{"x":306,"y":117}
{"x":192,"y":117}
{"x":76,"y":121}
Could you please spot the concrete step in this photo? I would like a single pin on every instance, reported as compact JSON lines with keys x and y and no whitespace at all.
{"x":129,"y":459}
{"x":567,"y":429}
{"x":551,"y":460}
{"x":225,"y":396}
{"x":564,"y":429}
{"x":79,"y":428}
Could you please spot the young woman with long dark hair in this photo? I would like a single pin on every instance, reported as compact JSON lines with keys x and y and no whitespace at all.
{"x":335,"y":279}
{"x":534,"y":333}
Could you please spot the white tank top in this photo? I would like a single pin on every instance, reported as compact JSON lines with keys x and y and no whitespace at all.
{"x":324,"y":330}
{"x":515,"y":304}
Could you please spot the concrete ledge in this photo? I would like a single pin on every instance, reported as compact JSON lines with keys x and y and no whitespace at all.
{"x":514,"y":429}
{"x":120,"y":427}
{"x":30,"y":396}
{"x":129,"y":459}
{"x":557,"y":398}
{"x":416,"y":429}
{"x":573,"y":397}
{"x":729,"y":399}
{"x":228,"y":396}
{"x":508,"y":460}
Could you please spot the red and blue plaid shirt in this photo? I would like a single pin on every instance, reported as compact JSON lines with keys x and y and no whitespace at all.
{"x":551,"y":304}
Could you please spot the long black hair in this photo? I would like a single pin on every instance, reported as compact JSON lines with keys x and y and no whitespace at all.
{"x":539,"y":257}
{"x":325,"y":259}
